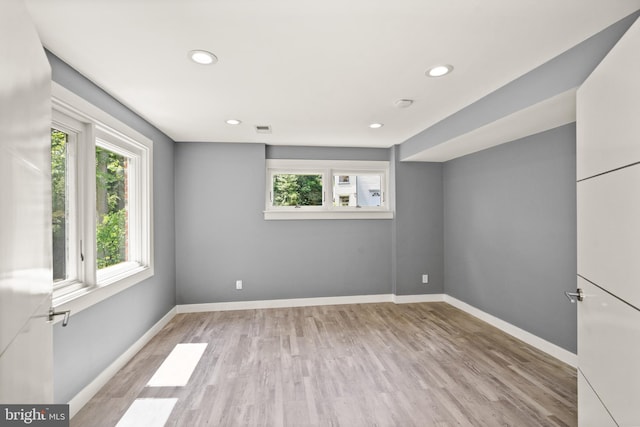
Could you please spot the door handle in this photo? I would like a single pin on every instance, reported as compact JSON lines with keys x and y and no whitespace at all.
{"x":578,"y":295}
{"x":53,"y":313}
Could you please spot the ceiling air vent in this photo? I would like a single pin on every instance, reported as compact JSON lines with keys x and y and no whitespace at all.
{"x":263,"y":129}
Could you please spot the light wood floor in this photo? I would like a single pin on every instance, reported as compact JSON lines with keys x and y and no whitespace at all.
{"x":426,"y":364}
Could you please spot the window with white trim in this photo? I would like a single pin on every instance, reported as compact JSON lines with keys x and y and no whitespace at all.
{"x":327,"y":189}
{"x":101,"y":180}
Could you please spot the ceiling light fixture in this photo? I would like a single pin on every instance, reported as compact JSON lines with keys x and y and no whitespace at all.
{"x":233,"y":122}
{"x":203,"y":57}
{"x":376,"y":125}
{"x":439,"y":70}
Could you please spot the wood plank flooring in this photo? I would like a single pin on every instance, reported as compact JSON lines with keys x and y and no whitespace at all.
{"x":426,"y":364}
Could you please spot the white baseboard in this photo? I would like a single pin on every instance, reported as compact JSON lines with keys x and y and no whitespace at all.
{"x":551,"y":349}
{"x":81,"y":399}
{"x":407,"y":299}
{"x":283,"y":303}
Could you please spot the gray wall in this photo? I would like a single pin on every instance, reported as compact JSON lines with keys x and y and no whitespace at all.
{"x":221,"y":235}
{"x":326,"y":153}
{"x":419,"y":228}
{"x":98,"y":335}
{"x":510,"y":232}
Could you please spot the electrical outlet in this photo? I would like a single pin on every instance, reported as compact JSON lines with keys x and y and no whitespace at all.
{"x":425,"y":278}
{"x":238,"y":284}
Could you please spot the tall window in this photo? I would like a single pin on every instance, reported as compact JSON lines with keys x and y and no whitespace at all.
{"x":319,"y":189}
{"x":101,"y":202}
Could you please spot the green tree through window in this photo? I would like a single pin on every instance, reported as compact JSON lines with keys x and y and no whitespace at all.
{"x":297,"y":190}
{"x":111,"y":207}
{"x":59,"y":203}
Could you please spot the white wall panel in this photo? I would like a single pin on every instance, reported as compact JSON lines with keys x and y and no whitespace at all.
{"x":609,"y":352}
{"x":592,"y":412}
{"x":609,"y":232}
{"x":609,"y":124}
{"x":26,"y":365}
{"x":25,"y":215}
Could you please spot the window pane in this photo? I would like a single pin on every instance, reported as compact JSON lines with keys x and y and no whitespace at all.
{"x":357,"y":190}
{"x":60,"y":213}
{"x":111,"y":208}
{"x":297,"y":190}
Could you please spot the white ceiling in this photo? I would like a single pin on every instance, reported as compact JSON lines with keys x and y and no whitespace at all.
{"x":317,"y":72}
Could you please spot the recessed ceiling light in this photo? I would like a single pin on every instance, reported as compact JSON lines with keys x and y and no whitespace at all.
{"x":203,"y":57}
{"x":376,"y":125}
{"x":233,"y":122}
{"x":439,"y":70}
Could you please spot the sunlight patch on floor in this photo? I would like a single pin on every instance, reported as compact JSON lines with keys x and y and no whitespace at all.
{"x":177,"y":368}
{"x":147,"y":413}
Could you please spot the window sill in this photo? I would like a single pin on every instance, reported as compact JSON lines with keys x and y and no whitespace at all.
{"x":303,"y":215}
{"x":86,"y":297}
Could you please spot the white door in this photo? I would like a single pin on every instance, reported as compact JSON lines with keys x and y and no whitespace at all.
{"x":608,"y":190}
{"x":25,"y":211}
